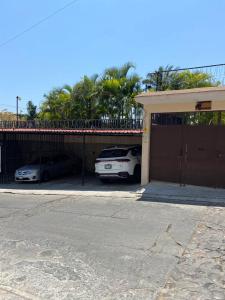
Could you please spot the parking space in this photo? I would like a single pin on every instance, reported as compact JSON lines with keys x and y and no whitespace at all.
{"x":74,"y":183}
{"x":48,"y":157}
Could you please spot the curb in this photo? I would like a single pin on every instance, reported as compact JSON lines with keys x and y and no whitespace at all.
{"x":138,"y":195}
{"x":183,"y":200}
{"x":116,"y":194}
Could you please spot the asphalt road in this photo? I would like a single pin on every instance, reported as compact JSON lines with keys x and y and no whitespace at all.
{"x":57,"y":247}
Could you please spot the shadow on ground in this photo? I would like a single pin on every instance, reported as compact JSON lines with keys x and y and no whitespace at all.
{"x":74,"y":183}
{"x":174,"y":193}
{"x":154,"y":192}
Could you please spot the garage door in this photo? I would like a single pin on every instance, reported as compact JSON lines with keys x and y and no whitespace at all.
{"x":188,"y":154}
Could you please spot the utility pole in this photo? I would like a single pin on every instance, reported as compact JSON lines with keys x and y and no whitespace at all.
{"x":159,"y":77}
{"x":17,"y":109}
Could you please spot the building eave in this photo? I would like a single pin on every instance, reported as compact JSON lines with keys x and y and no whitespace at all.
{"x":182,"y":96}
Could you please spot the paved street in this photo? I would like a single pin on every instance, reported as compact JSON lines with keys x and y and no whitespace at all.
{"x":200,"y":273}
{"x":76,"y":247}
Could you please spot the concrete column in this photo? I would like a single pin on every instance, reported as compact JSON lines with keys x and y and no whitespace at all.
{"x":146,"y":148}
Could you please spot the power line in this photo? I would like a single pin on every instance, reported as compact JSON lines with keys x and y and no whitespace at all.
{"x":18,"y":35}
{"x":191,"y":68}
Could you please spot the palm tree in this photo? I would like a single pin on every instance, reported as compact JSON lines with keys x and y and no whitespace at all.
{"x":56,"y":105}
{"x":118,"y":90}
{"x":168,"y":78}
{"x":109,"y":96}
{"x":161,"y":79}
{"x":85,"y":98}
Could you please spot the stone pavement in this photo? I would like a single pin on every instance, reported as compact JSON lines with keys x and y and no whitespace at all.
{"x":200,"y":272}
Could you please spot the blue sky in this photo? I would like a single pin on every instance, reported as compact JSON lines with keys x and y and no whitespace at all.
{"x":94,"y":34}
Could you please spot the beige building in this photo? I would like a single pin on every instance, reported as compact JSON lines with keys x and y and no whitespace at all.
{"x":191,"y":100}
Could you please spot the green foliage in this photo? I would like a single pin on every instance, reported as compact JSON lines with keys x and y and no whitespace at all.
{"x":109,"y":96}
{"x":56,"y":105}
{"x":205,"y":118}
{"x":118,"y":91}
{"x":189,"y":80}
{"x":112,"y":95}
{"x":84,"y":100}
{"x":165,"y":79}
{"x":31,"y":111}
{"x":162,"y":79}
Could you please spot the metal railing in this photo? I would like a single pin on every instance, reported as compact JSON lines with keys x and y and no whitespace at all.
{"x":103,"y":124}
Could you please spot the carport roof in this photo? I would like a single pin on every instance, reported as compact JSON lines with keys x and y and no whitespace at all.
{"x":74,"y":131}
{"x":178,"y":96}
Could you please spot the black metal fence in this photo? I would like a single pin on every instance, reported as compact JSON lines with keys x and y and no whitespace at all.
{"x":210,"y":118}
{"x":103,"y":124}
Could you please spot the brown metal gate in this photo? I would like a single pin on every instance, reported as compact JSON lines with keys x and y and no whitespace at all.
{"x":188,"y":154}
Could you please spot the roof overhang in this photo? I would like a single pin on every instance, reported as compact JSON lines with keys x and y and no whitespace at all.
{"x":183,"y":100}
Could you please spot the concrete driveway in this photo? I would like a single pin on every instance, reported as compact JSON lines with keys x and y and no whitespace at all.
{"x":155,"y":191}
{"x":72,"y":186}
{"x":66,"y":247}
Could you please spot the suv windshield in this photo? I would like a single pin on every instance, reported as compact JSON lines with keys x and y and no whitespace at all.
{"x":113,"y":153}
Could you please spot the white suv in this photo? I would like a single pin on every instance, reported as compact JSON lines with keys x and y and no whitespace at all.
{"x":119,"y":162}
